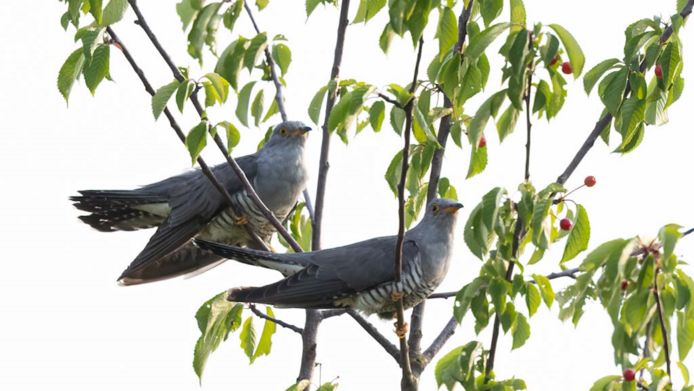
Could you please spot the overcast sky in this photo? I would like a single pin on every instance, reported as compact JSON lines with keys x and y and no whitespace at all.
{"x":67,"y":324}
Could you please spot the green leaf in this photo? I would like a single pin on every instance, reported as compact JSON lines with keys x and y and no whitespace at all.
{"x":490,"y":9}
{"x":96,"y":9}
{"x":603,"y":383}
{"x":603,"y":253}
{"x":346,"y":108}
{"x":507,"y":122}
{"x":532,"y":299}
{"x":385,"y":38}
{"x":611,"y":89}
{"x":314,"y":108}
{"x":594,"y":74}
{"x":540,"y":224}
{"x":255,"y":50}
{"x":579,"y":235}
{"x":220,"y":85}
{"x":520,"y":331}
{"x":261,"y":4}
{"x":199,"y":32}
{"x":232,"y":14}
{"x":265,"y":341}
{"x":458,"y":366}
{"x":282,"y":56}
{"x":97,"y":69}
{"x":186,"y":12}
{"x":368,"y":9}
{"x":215,"y":318}
{"x":196,"y":140}
{"x":517,"y":15}
{"x":185,"y":89}
{"x":421,"y":128}
{"x":257,"y":107}
{"x":668,"y":237}
{"x":573,"y":50}
{"x":113,"y":12}
{"x":162,"y":96}
{"x":545,"y":289}
{"x":671,"y":62}
{"x":489,"y":108}
{"x":69,"y":71}
{"x":377,"y":113}
{"x":247,"y":338}
{"x":233,"y":135}
{"x":478,"y":161}
{"x":481,"y":41}
{"x":447,"y":31}
{"x":229,"y":64}
{"x":244,"y":102}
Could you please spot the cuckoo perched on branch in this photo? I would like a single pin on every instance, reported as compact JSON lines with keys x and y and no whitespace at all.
{"x":187,"y":206}
{"x":360,"y":275}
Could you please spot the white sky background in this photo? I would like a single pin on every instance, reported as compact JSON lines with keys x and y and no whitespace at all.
{"x":67,"y":324}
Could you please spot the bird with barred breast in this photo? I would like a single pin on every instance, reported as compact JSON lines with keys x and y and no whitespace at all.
{"x":188,"y":206}
{"x":359,"y":276}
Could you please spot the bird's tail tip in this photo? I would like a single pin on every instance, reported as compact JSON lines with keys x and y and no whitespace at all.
{"x":239,"y":295}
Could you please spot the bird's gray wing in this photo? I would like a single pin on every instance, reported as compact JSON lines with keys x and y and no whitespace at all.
{"x":333,"y":274}
{"x":194,"y":201}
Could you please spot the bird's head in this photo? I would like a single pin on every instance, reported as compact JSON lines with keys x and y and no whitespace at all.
{"x":442,"y":211}
{"x":289,"y":132}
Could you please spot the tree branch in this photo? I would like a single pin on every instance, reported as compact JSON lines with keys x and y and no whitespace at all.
{"x":323,"y":164}
{"x":552,"y":276}
{"x":433,"y":349}
{"x":607,"y":118}
{"x":417,"y":316}
{"x":373,"y":332}
{"x":661,"y":319}
{"x":517,"y":234}
{"x":528,"y":123}
{"x":409,"y":382}
{"x":313,"y":317}
{"x":282,"y":323}
{"x":273,"y":68}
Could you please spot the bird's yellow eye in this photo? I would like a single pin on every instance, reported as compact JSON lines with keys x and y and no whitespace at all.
{"x":283,"y":132}
{"x":435,"y":208}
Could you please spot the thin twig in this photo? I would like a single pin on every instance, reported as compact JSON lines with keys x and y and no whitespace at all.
{"x":408,"y":380}
{"x":323,"y":164}
{"x":217,"y":139}
{"x":273,"y":68}
{"x":390,"y":100}
{"x":571,"y":273}
{"x":607,"y":118}
{"x":279,"y":322}
{"x":417,"y":316}
{"x":517,"y":234}
{"x":376,"y":335}
{"x":661,"y":319}
{"x":433,"y":349}
{"x":528,"y":123}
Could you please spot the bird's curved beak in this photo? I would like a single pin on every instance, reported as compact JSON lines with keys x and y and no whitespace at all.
{"x":453,"y":208}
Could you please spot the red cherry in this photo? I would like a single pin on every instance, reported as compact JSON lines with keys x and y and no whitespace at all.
{"x":483,"y":142}
{"x":567,"y":68}
{"x":565,"y":224}
{"x":554,"y":61}
{"x":590,"y":181}
{"x":625,"y":285}
{"x":629,"y":374}
{"x":658,"y":71}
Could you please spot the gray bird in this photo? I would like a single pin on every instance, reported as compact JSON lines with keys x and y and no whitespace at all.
{"x":188,"y":205}
{"x":360,"y":275}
